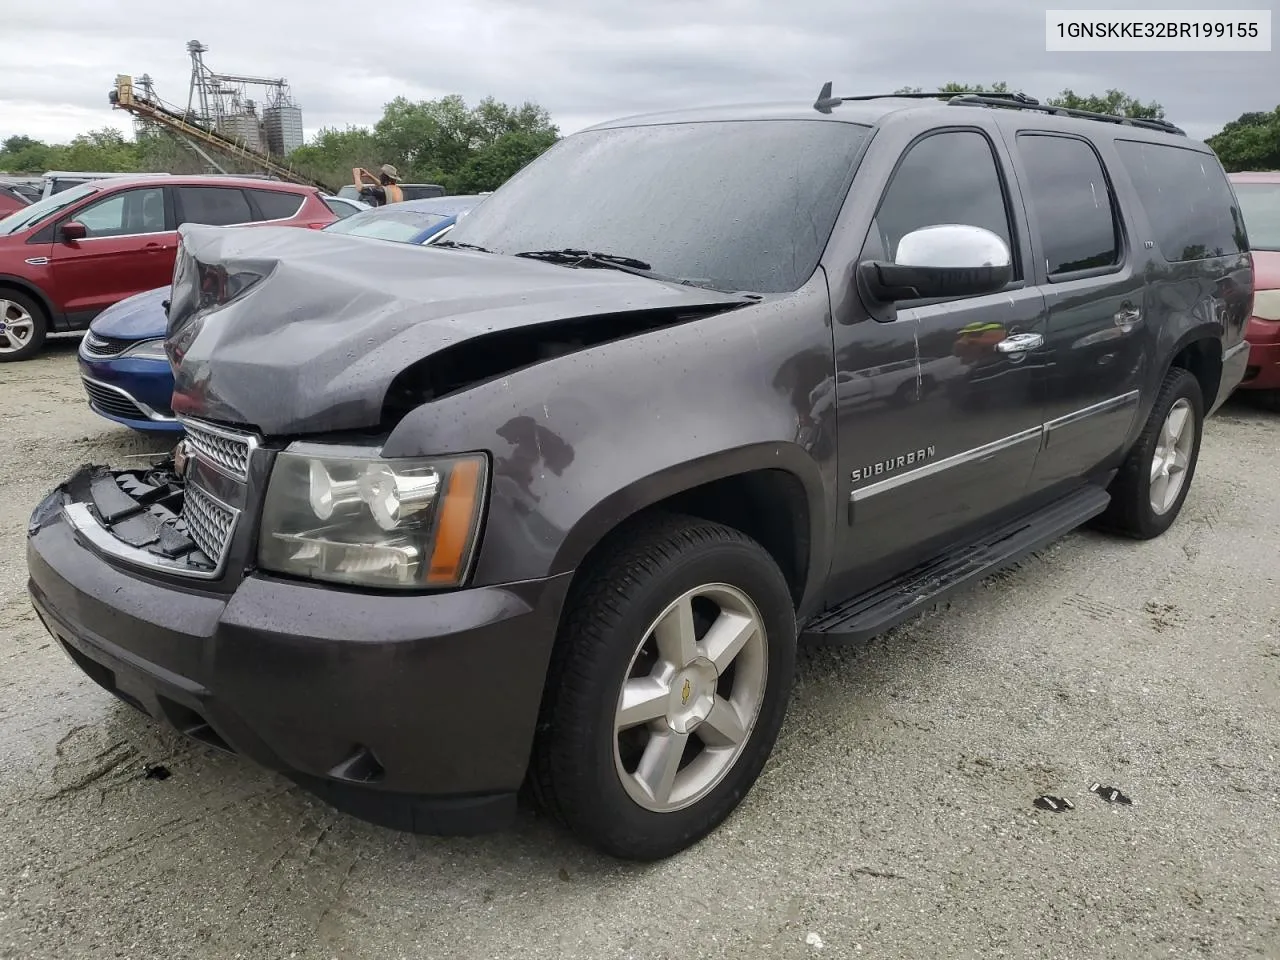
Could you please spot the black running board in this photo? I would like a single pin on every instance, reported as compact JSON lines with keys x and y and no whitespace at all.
{"x":889,"y":604}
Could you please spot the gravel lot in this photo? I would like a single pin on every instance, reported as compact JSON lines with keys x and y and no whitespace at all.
{"x":895,"y":819}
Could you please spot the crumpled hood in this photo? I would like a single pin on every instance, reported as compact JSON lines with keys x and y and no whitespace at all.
{"x":298,"y":331}
{"x":140,"y":317}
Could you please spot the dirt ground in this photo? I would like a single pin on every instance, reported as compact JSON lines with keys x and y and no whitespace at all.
{"x":896,"y":818}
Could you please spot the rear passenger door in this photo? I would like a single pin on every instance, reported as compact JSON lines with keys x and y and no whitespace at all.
{"x":1084,"y":263}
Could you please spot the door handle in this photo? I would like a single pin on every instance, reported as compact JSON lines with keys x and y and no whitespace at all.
{"x":1127,"y":316}
{"x":1020,"y":343}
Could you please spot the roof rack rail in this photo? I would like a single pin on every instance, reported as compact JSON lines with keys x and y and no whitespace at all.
{"x":1009,"y":101}
{"x":826,"y":101}
{"x":987,"y":100}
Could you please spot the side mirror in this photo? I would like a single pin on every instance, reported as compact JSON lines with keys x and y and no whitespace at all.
{"x":72,"y":231}
{"x":944,"y":260}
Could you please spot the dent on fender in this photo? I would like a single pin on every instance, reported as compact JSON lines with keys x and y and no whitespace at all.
{"x":582,"y":440}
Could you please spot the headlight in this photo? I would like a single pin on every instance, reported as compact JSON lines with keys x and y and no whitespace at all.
{"x":147,"y":350}
{"x":1266,"y":304}
{"x":346,"y":515}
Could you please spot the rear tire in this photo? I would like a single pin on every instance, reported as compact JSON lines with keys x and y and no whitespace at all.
{"x":646,"y":777}
{"x":1148,"y":492}
{"x":25,"y":326}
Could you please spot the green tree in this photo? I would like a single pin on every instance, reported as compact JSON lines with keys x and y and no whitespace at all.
{"x":103,"y":150}
{"x":19,"y":154}
{"x":1250,"y":142}
{"x":1114,"y":102}
{"x":332,"y":153}
{"x":491,"y":166}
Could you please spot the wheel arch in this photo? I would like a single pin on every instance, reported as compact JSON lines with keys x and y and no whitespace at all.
{"x":772,"y":492}
{"x":30,"y":289}
{"x":1199,"y":352}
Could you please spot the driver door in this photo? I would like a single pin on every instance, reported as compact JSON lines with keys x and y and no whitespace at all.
{"x":945,"y":437}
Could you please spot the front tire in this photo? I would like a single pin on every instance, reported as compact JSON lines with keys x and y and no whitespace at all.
{"x":1148,"y":492}
{"x":667,"y":688}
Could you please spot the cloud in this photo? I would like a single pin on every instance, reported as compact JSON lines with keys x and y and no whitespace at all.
{"x":584,"y":60}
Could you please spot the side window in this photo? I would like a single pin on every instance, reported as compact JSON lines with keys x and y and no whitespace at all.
{"x":276,"y":204}
{"x":216,"y":206}
{"x":946,"y":178}
{"x":1074,"y":209}
{"x":127,"y":213}
{"x":1187,"y":199}
{"x":339,"y":209}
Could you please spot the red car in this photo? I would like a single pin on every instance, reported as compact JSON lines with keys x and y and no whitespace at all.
{"x":11,"y":201}
{"x":1259,"y":196}
{"x":68,"y":257}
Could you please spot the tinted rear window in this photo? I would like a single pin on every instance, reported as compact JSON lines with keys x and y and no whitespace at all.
{"x":1260,"y":204}
{"x":1187,"y":200}
{"x":741,"y":205}
{"x":276,"y":204}
{"x":1069,"y":193}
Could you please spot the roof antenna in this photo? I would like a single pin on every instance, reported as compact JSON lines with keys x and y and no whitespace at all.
{"x":825,"y":100}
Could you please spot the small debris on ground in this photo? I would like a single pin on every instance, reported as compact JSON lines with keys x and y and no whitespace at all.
{"x":156,"y":771}
{"x":814,"y":941}
{"x":1053,"y":804}
{"x":1110,"y":794}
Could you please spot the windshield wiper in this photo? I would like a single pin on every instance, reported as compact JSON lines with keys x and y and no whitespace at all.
{"x":570,"y":255}
{"x":460,"y":246}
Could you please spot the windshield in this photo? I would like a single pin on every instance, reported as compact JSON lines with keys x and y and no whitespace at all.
{"x":29,"y":216}
{"x":400,"y":225}
{"x":1260,"y":206}
{"x":738,"y":205}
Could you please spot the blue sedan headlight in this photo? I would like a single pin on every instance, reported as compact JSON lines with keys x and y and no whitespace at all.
{"x":147,"y":350}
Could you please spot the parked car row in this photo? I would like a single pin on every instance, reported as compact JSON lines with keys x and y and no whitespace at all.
{"x":123,"y":364}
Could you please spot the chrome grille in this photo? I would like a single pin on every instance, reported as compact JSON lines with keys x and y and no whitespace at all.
{"x":209,"y":523}
{"x":98,"y":346}
{"x":225,"y":449}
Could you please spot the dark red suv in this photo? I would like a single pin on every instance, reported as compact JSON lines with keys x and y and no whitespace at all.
{"x":68,"y":257}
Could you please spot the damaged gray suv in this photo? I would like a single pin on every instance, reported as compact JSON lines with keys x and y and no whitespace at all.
{"x":550,"y":504}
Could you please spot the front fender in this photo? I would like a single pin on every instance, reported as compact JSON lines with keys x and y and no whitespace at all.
{"x":582,"y":441}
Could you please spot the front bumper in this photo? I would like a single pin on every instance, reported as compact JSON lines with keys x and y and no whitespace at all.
{"x":1263,"y":372}
{"x":1235,"y":361}
{"x":416,"y":712}
{"x":131,"y":391}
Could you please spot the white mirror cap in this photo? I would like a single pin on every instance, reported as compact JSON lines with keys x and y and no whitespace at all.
{"x":952,"y":245}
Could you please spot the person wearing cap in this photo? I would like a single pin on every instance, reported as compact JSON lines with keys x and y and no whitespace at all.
{"x":386,"y":190}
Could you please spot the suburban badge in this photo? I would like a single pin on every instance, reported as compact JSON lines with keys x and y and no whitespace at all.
{"x":893,"y":464}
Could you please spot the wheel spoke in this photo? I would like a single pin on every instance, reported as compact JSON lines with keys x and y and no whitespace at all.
{"x":723,"y":727}
{"x":1160,"y":491}
{"x":643,"y":701}
{"x":660,"y":763}
{"x":675,"y":635}
{"x":1176,"y":423}
{"x":1180,"y":461}
{"x":1157,"y":467}
{"x":726,"y":638}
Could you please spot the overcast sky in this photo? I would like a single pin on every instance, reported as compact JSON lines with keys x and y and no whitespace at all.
{"x":584,"y":60}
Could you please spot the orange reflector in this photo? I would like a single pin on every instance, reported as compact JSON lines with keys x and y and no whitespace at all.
{"x":457,"y":515}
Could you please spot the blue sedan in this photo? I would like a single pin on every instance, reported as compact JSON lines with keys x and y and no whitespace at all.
{"x":122,"y":361}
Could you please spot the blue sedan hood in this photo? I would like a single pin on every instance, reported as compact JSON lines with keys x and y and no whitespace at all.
{"x":140,"y":317}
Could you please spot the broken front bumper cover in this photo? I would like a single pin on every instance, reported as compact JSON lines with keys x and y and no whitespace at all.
{"x":415,"y":712}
